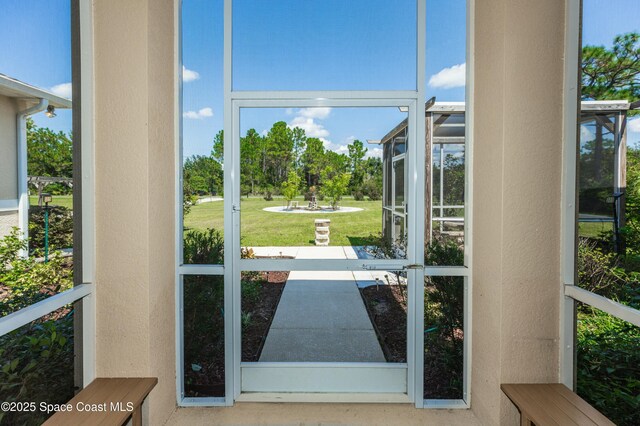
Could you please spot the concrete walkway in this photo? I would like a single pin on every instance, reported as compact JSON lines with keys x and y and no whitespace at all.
{"x":321,"y":316}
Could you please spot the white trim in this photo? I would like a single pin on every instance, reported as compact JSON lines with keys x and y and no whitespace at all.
{"x":446,"y":404}
{"x":468,"y":216}
{"x":324,"y":377}
{"x":321,"y":264}
{"x":333,"y":397}
{"x":200,"y":270}
{"x":88,"y":189}
{"x":447,"y":271}
{"x":23,"y":191}
{"x":415,"y":336}
{"x":9,"y":205}
{"x":33,"y":312}
{"x":179,"y":227}
{"x":322,"y":98}
{"x":414,"y":227}
{"x":231,"y":218}
{"x":569,"y":212}
{"x":591,"y":105}
{"x":13,"y":88}
{"x":609,"y":306}
{"x":202,"y":402}
{"x":300,"y":102}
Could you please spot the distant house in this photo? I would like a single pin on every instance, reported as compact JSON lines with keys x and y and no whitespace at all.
{"x":18,"y":101}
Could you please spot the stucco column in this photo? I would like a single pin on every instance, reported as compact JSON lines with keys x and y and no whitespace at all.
{"x":135,"y":196}
{"x":517,"y":193}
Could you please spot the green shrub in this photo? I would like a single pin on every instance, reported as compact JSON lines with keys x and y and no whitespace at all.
{"x":203,"y":247}
{"x":36,"y":360}
{"x":203,"y":315}
{"x":372,"y":189}
{"x":608,"y":365}
{"x":444,"y":321}
{"x":358,"y":196}
{"x":603,"y":274}
{"x":37,"y":366}
{"x":60,"y":228}
{"x":27,"y":281}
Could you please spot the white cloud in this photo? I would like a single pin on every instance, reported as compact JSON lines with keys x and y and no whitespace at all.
{"x":634,"y":125}
{"x":63,"y":90}
{"x":449,"y":78}
{"x":342,"y":149}
{"x":189,"y":75}
{"x":316,"y":112}
{"x":586,"y":134}
{"x":199,"y":115}
{"x":310,"y":127}
{"x":374,"y":153}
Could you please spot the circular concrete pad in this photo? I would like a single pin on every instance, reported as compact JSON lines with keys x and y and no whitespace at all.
{"x":321,"y":210}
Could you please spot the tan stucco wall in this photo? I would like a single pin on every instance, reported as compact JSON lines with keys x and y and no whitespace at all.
{"x":517,"y":188}
{"x":8,"y":149}
{"x":517,"y":166}
{"x":321,"y":414}
{"x":134,"y":174}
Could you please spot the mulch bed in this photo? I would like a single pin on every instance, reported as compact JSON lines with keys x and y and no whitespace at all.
{"x":262,"y":312}
{"x":387,"y":309}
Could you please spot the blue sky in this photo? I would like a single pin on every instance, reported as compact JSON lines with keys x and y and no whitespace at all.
{"x":35,"y":46}
{"x":318,"y":44}
{"x":350,"y":47}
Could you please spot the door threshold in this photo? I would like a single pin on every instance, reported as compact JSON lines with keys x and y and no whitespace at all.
{"x":329,"y":397}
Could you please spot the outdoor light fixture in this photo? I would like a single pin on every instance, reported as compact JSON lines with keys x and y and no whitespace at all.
{"x":51,"y":111}
{"x":46,"y":198}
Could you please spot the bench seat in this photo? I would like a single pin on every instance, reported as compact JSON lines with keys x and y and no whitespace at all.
{"x":552,"y":404}
{"x":106,"y":401}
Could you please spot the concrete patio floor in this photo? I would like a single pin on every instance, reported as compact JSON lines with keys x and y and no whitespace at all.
{"x":321,"y":316}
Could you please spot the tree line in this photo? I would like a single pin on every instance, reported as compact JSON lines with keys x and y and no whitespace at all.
{"x":268,"y":164}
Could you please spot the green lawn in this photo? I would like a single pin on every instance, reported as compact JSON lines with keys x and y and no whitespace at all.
{"x":261,"y":228}
{"x":593,"y":229}
{"x":58,"y":200}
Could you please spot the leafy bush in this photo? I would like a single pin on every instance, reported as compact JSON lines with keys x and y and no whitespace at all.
{"x":60,"y":228}
{"x":372,"y":189}
{"x":608,"y":361}
{"x":37,"y":359}
{"x":26,"y":281}
{"x":358,"y":196}
{"x":203,"y":247}
{"x":204,"y":316}
{"x":599,"y":271}
{"x":444,"y":320}
{"x":37,"y":366}
{"x":268,"y":196}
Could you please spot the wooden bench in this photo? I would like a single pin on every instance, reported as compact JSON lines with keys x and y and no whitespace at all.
{"x":106,"y":401}
{"x":546,"y":404}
